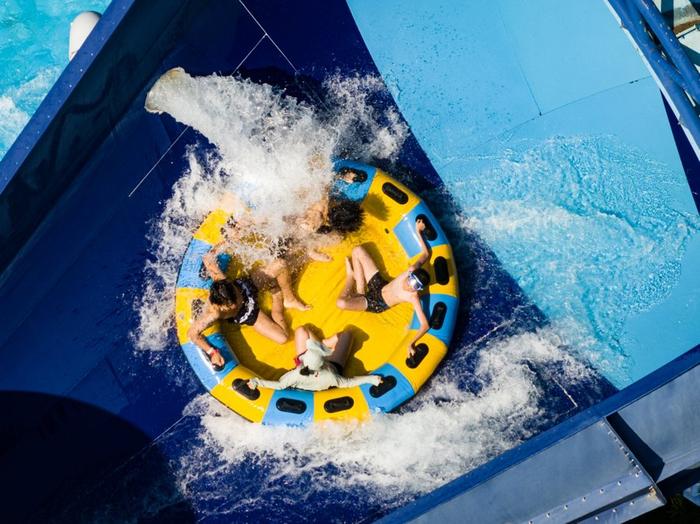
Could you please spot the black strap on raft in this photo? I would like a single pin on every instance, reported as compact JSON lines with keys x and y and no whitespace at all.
{"x":240,"y":386}
{"x":335,"y":405}
{"x":419,"y":354}
{"x":388,"y":383}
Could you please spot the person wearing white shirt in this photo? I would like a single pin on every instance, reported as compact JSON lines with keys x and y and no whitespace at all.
{"x":319,"y":365}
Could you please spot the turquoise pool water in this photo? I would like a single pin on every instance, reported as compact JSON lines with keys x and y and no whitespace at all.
{"x":33,"y":52}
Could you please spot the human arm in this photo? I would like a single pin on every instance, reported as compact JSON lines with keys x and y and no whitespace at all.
{"x":425,"y":250}
{"x":211,"y":261}
{"x":282,"y":383}
{"x":196,"y":336}
{"x":343,"y":382}
{"x":424,"y":325}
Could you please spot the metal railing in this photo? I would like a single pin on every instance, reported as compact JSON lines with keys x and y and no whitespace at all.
{"x":664,"y":54}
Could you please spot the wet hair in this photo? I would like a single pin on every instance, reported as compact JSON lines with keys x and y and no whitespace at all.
{"x":222,"y":293}
{"x":422,"y":276}
{"x":306,"y":371}
{"x":344,"y":216}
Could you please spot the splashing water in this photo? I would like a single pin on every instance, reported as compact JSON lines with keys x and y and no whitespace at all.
{"x":229,"y":469}
{"x":272,"y":151}
{"x":589,"y":228}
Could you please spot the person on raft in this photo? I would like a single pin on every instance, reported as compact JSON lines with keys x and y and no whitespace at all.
{"x":367,"y":290}
{"x":237,"y":301}
{"x":319,"y":365}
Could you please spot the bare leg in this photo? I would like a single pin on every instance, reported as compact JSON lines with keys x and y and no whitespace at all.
{"x":347,"y":299}
{"x":278,"y":270}
{"x":341,"y":344}
{"x":270,"y":328}
{"x":365,"y":268}
{"x":301,"y":335}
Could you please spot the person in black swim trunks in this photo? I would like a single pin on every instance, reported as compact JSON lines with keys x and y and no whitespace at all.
{"x":237,"y":302}
{"x":367,"y":290}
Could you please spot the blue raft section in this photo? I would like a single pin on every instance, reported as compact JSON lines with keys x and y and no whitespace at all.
{"x":91,"y":169}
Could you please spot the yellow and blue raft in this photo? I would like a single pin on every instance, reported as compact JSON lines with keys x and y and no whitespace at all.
{"x":380,"y":340}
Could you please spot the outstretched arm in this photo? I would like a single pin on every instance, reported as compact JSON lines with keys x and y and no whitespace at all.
{"x":343,"y":382}
{"x":282,"y":383}
{"x":211,"y":262}
{"x":195,"y":335}
{"x":425,"y":250}
{"x":424,"y":325}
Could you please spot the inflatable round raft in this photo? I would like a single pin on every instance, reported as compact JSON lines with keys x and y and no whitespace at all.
{"x":380,"y":341}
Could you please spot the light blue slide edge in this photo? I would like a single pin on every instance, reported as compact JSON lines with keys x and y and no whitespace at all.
{"x":465,"y":78}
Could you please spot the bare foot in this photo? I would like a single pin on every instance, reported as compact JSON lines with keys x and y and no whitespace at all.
{"x":295,"y":303}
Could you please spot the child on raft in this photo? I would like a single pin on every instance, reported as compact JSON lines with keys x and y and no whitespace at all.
{"x":319,"y":365}
{"x":367,"y":290}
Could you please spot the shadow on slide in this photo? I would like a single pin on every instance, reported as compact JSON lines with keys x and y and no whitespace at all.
{"x":58,"y":458}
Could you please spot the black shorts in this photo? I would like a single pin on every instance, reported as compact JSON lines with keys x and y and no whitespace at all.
{"x":338,"y":367}
{"x":249,"y":310}
{"x":373,"y":295}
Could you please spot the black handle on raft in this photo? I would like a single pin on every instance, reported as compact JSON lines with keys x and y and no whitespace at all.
{"x":437,"y":317}
{"x":388,"y":383}
{"x":393,"y":192}
{"x":419,"y":354}
{"x":335,"y":405}
{"x":359,"y":177}
{"x":291,"y":405}
{"x":429,"y":230}
{"x":442,"y":270}
{"x":240,"y":386}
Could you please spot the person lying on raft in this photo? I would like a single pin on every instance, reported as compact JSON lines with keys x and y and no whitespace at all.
{"x":319,"y":365}
{"x":237,"y":302}
{"x":376,"y":294}
{"x":277,"y":271}
{"x":322,"y":225}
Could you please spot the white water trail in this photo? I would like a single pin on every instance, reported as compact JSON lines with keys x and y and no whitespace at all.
{"x":445,"y":432}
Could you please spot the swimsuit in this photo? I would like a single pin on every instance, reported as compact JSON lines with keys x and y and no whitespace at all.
{"x":248,"y":312}
{"x":373,"y":295}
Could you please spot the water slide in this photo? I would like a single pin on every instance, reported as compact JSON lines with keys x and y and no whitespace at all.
{"x":562,"y":179}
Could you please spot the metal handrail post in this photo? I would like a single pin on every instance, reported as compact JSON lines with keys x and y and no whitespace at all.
{"x":671,"y":45}
{"x":670,"y":78}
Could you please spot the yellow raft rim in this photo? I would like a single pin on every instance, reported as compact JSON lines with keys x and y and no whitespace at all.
{"x":380,"y":341}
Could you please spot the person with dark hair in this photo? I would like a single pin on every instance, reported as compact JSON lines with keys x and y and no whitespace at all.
{"x":319,"y":365}
{"x":237,"y":302}
{"x":326,"y":223}
{"x":367,"y":290}
{"x":341,"y":215}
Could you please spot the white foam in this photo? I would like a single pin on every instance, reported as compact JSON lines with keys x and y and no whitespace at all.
{"x":272,"y":150}
{"x":446,"y":432}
